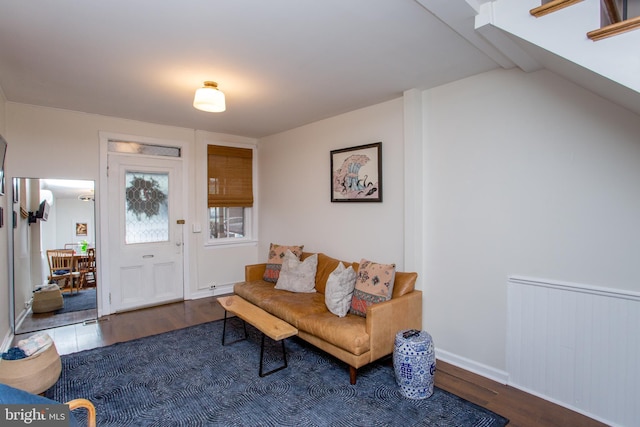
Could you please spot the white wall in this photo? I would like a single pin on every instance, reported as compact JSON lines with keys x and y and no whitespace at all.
{"x":218,"y":266}
{"x":525,"y":174}
{"x":53,"y":143}
{"x":69,"y":212}
{"x":295,"y":184}
{"x":24,"y":239}
{"x":65,"y":144}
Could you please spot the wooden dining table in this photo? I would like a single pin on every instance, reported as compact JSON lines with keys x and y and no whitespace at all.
{"x":74,"y":267}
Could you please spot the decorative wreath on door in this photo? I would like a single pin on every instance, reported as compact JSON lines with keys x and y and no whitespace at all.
{"x":144,"y":197}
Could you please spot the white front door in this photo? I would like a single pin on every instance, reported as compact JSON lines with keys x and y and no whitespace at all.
{"x":146,"y":231}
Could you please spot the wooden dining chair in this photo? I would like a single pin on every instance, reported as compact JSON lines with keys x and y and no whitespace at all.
{"x":87,"y":268}
{"x":63,"y":267}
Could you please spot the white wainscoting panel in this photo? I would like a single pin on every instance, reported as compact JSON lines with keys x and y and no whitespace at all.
{"x":576,"y":345}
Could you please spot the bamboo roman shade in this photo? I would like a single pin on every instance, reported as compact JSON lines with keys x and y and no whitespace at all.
{"x":230,"y":176}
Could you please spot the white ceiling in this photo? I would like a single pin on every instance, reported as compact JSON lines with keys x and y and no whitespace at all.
{"x":68,"y":188}
{"x":281,"y":63}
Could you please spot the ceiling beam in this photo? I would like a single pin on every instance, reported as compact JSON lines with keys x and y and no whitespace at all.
{"x":459,"y":15}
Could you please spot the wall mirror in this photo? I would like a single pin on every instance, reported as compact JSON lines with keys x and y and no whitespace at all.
{"x":54,"y":269}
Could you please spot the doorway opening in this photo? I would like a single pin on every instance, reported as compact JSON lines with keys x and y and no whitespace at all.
{"x":55,"y":277}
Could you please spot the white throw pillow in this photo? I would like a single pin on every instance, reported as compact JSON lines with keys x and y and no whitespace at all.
{"x":339,"y":290}
{"x":296,"y":275}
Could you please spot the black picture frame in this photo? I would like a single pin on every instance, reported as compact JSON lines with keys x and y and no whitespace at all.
{"x":356,"y":173}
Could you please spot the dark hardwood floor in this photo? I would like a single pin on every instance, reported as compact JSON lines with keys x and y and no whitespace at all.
{"x":522,"y":409}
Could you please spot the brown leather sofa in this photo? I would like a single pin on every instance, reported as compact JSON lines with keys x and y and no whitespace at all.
{"x":353,"y":339}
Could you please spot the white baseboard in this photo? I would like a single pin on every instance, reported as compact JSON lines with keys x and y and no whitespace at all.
{"x":6,"y":342}
{"x":472,"y":366}
{"x":20,"y":317}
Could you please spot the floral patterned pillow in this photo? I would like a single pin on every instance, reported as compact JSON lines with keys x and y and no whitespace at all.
{"x":374,"y":284}
{"x":274,"y":264}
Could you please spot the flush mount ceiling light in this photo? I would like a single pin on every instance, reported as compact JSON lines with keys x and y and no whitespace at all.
{"x":209,"y":98}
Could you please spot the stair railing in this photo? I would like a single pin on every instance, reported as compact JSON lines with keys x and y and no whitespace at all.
{"x":552,"y":6}
{"x":614,"y":22}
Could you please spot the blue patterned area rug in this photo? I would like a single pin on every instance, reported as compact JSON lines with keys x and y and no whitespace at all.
{"x":85,"y":299}
{"x":187,"y":378}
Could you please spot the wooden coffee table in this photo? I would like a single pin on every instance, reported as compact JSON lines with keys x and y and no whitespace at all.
{"x":271,"y":326}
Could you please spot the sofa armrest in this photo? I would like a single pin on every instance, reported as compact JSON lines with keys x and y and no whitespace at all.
{"x":385,"y":319}
{"x":254,"y":272}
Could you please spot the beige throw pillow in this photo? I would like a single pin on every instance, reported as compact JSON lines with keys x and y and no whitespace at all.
{"x":274,"y":263}
{"x":374,"y":284}
{"x":339,"y":289}
{"x":296,"y":275}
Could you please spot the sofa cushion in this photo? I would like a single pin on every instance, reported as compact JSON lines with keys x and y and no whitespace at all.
{"x":292,"y":307}
{"x":274,"y":263}
{"x":255,"y":291}
{"x":404,"y":283}
{"x":374,"y":284}
{"x":288,"y":306}
{"x":326,"y":265}
{"x":339,"y":290}
{"x":296,"y":275}
{"x":348,"y":333}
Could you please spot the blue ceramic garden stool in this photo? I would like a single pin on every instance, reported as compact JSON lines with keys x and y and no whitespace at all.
{"x":414,"y":363}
